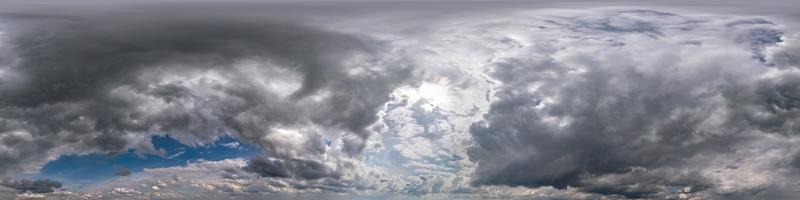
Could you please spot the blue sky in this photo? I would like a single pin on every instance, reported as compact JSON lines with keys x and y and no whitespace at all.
{"x":81,"y":170}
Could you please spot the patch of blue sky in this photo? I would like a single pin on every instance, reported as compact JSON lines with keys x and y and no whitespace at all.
{"x":80,"y":170}
{"x":392,"y":159}
{"x":389,"y":158}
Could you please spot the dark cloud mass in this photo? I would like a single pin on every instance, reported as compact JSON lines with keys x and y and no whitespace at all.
{"x":295,"y":168}
{"x":626,"y":121}
{"x":35,"y":186}
{"x":105,"y":82}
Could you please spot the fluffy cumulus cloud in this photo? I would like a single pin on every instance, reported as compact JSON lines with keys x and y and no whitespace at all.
{"x":535,"y":104}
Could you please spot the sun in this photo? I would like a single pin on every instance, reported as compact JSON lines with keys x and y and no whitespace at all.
{"x":436,"y":92}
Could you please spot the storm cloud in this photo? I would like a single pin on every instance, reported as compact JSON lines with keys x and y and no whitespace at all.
{"x":605,"y":111}
{"x":467,"y":101}
{"x":105,"y":83}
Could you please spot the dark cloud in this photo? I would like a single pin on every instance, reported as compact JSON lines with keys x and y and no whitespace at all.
{"x":121,"y":171}
{"x":584,"y":118}
{"x":103,"y":82}
{"x":35,"y":186}
{"x":640,"y":183}
{"x":290,"y":168}
{"x":621,"y":104}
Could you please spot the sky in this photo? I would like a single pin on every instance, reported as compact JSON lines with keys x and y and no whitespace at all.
{"x":399,"y":100}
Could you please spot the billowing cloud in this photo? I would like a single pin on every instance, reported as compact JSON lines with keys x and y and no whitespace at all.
{"x":105,"y":83}
{"x":785,"y":53}
{"x":621,"y":102}
{"x":615,"y":103}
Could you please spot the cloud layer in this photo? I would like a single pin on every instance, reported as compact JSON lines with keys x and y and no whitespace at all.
{"x":532,"y":104}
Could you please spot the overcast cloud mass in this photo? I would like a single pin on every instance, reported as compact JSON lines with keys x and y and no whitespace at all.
{"x":401,"y":100}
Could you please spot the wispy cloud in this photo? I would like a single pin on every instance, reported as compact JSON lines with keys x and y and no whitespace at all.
{"x":176,"y":154}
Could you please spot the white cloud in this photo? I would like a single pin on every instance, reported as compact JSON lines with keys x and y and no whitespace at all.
{"x":232,"y":145}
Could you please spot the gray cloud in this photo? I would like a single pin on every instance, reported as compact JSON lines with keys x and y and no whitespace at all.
{"x":121,"y":171}
{"x":639,"y":182}
{"x":295,"y":168}
{"x":35,"y":186}
{"x":599,"y":103}
{"x":573,"y":117}
{"x":785,"y":54}
{"x":105,"y":82}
